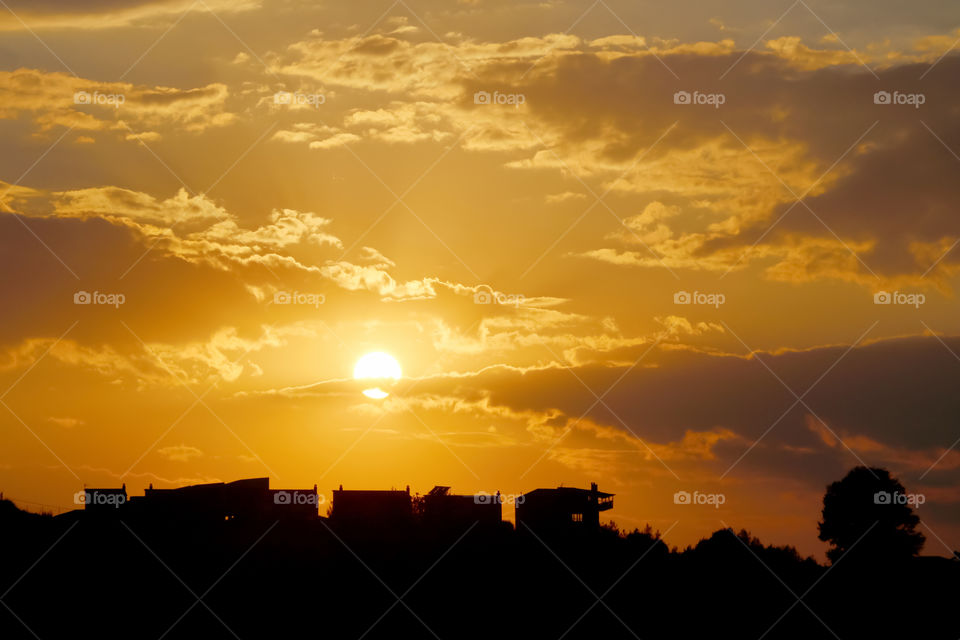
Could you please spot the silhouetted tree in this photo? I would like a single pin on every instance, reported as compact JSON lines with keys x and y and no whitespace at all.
{"x":870,"y":512}
{"x":647,"y":542}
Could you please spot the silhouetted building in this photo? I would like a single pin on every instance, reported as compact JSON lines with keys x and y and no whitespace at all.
{"x":442,"y":509}
{"x":371,"y":509}
{"x":104,"y":501}
{"x":563,"y":509}
{"x":249,"y":499}
{"x":299,"y":504}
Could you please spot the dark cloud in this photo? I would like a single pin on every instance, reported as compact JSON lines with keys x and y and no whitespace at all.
{"x":896,"y":188}
{"x":893,"y":400}
{"x":85,"y":7}
{"x":45,"y":261}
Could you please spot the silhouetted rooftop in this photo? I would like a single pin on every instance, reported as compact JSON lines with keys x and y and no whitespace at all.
{"x":572,"y":491}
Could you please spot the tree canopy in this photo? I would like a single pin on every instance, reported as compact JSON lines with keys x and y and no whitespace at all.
{"x":870,"y":513}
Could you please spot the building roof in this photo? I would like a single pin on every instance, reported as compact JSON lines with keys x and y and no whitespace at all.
{"x":571,"y":491}
{"x":261,"y":484}
{"x":372,"y":492}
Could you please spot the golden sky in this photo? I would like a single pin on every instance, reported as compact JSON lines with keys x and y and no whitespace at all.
{"x":666,"y":248}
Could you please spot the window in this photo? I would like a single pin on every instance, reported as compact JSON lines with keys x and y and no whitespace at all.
{"x":576,"y":517}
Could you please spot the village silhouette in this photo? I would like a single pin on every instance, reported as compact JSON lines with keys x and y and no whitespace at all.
{"x":242,"y":560}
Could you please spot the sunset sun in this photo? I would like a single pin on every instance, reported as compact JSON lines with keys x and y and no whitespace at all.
{"x":377,"y":366}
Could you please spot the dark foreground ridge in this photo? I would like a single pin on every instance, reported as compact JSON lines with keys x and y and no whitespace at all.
{"x":241,"y":560}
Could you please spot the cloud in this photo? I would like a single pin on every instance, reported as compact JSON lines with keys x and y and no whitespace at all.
{"x":66,"y":423}
{"x":400,"y":122}
{"x":398,"y":65}
{"x":566,"y":196}
{"x":194,"y":227}
{"x":884,"y":403}
{"x":55,"y":99}
{"x":138,"y":207}
{"x":106,"y":14}
{"x":223,"y":355}
{"x":180,"y":453}
{"x":722,"y":179}
{"x":105,"y":361}
{"x":316,"y":135}
{"x":603,"y":110}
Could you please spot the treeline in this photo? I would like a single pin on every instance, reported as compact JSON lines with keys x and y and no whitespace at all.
{"x":78,"y":575}
{"x":107,"y":578}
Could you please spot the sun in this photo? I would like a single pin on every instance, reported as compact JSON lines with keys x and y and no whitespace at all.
{"x":380,"y":366}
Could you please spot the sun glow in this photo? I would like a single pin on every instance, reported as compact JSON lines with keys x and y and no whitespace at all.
{"x":380,"y":366}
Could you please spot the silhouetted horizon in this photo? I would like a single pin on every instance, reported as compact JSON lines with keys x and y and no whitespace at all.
{"x":360,"y":507}
{"x":282,"y":552}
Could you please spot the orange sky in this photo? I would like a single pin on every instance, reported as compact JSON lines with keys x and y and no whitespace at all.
{"x":514,"y":200}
